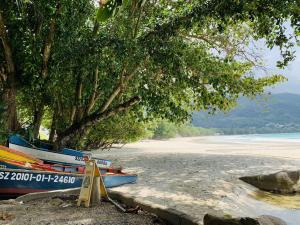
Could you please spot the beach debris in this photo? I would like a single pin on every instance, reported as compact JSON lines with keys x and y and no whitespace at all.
{"x":157,"y":220}
{"x":133,"y":210}
{"x":261,"y":220}
{"x":68,"y":197}
{"x":283,"y":182}
{"x":65,"y":205}
{"x":6,"y":216}
{"x":56,"y":202}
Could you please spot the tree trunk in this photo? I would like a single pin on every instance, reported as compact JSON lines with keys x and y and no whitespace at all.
{"x":10,"y":91}
{"x":10,"y":114}
{"x":76,"y":113}
{"x":38,"y":114}
{"x":53,"y":127}
{"x":37,"y":120}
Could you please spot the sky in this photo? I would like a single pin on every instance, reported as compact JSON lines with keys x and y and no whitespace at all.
{"x":291,"y":72}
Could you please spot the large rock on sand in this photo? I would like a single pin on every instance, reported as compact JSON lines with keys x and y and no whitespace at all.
{"x":262,"y":220}
{"x":283,"y":182}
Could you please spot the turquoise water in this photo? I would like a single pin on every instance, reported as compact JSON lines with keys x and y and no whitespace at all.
{"x":295,"y":137}
{"x":284,"y":207}
{"x":275,"y":136}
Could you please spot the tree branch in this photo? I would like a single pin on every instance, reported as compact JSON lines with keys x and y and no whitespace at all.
{"x":95,"y":117}
{"x":112,"y":96}
{"x":118,"y":89}
{"x":49,"y":41}
{"x":77,"y":101}
{"x":92,"y":99}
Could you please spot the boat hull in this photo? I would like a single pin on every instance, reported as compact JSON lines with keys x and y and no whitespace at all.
{"x":66,"y":156}
{"x":18,"y":182}
{"x":10,"y":154}
{"x":52,"y":157}
{"x":54,"y":168}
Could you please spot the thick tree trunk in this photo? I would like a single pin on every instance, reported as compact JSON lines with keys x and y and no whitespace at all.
{"x":10,"y":91}
{"x":10,"y":114}
{"x":37,"y":120}
{"x":52,"y":134}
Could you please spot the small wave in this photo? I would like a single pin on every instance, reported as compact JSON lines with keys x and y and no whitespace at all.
{"x":278,"y":137}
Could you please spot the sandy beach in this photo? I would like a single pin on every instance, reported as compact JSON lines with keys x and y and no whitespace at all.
{"x":200,"y":174}
{"x":63,"y":210}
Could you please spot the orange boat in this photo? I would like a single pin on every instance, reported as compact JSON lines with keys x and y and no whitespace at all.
{"x":13,"y":159}
{"x":10,"y":154}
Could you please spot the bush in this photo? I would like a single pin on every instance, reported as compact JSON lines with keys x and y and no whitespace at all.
{"x":116,"y":130}
{"x":165,"y":130}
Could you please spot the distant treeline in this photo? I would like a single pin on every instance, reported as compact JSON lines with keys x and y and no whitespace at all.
{"x":126,"y":129}
{"x":165,"y":130}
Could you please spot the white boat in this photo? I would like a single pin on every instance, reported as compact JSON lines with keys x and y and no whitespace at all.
{"x":67,"y":156}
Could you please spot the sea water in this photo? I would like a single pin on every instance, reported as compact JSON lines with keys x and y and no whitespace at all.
{"x":286,"y":207}
{"x":278,"y":136}
{"x":291,"y":137}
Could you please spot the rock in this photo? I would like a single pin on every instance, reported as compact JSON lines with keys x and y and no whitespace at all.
{"x":283,"y":182}
{"x":214,"y":220}
{"x":270,"y":220}
{"x":262,"y":220}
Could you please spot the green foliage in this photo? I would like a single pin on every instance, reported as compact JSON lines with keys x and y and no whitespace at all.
{"x":176,"y":56}
{"x":121,"y":129}
{"x":191,"y":131}
{"x":165,"y":130}
{"x":108,"y":9}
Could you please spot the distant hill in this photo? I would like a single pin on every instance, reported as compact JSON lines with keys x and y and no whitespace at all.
{"x":276,"y":113}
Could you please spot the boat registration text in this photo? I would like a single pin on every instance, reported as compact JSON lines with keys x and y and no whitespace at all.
{"x":37,"y":177}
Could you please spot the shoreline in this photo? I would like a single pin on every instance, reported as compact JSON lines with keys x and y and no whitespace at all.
{"x":283,"y":149}
{"x":199,"y":175}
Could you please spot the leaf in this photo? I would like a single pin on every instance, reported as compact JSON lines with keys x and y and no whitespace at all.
{"x":103,"y":14}
{"x":108,"y":10}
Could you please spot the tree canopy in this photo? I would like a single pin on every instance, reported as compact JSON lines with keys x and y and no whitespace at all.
{"x":82,"y":62}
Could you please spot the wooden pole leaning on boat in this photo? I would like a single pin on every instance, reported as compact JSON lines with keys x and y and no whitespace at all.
{"x":93,"y":189}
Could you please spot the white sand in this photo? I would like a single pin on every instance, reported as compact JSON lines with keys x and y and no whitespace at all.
{"x":200,"y":175}
{"x":289,"y":149}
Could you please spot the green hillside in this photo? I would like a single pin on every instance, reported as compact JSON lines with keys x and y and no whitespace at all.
{"x":277,"y":113}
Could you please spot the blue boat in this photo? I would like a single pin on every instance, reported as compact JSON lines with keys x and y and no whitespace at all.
{"x":18,"y":182}
{"x":66,"y":156}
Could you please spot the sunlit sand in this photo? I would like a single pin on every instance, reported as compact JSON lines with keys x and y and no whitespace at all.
{"x":222,"y":145}
{"x":200,"y":174}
